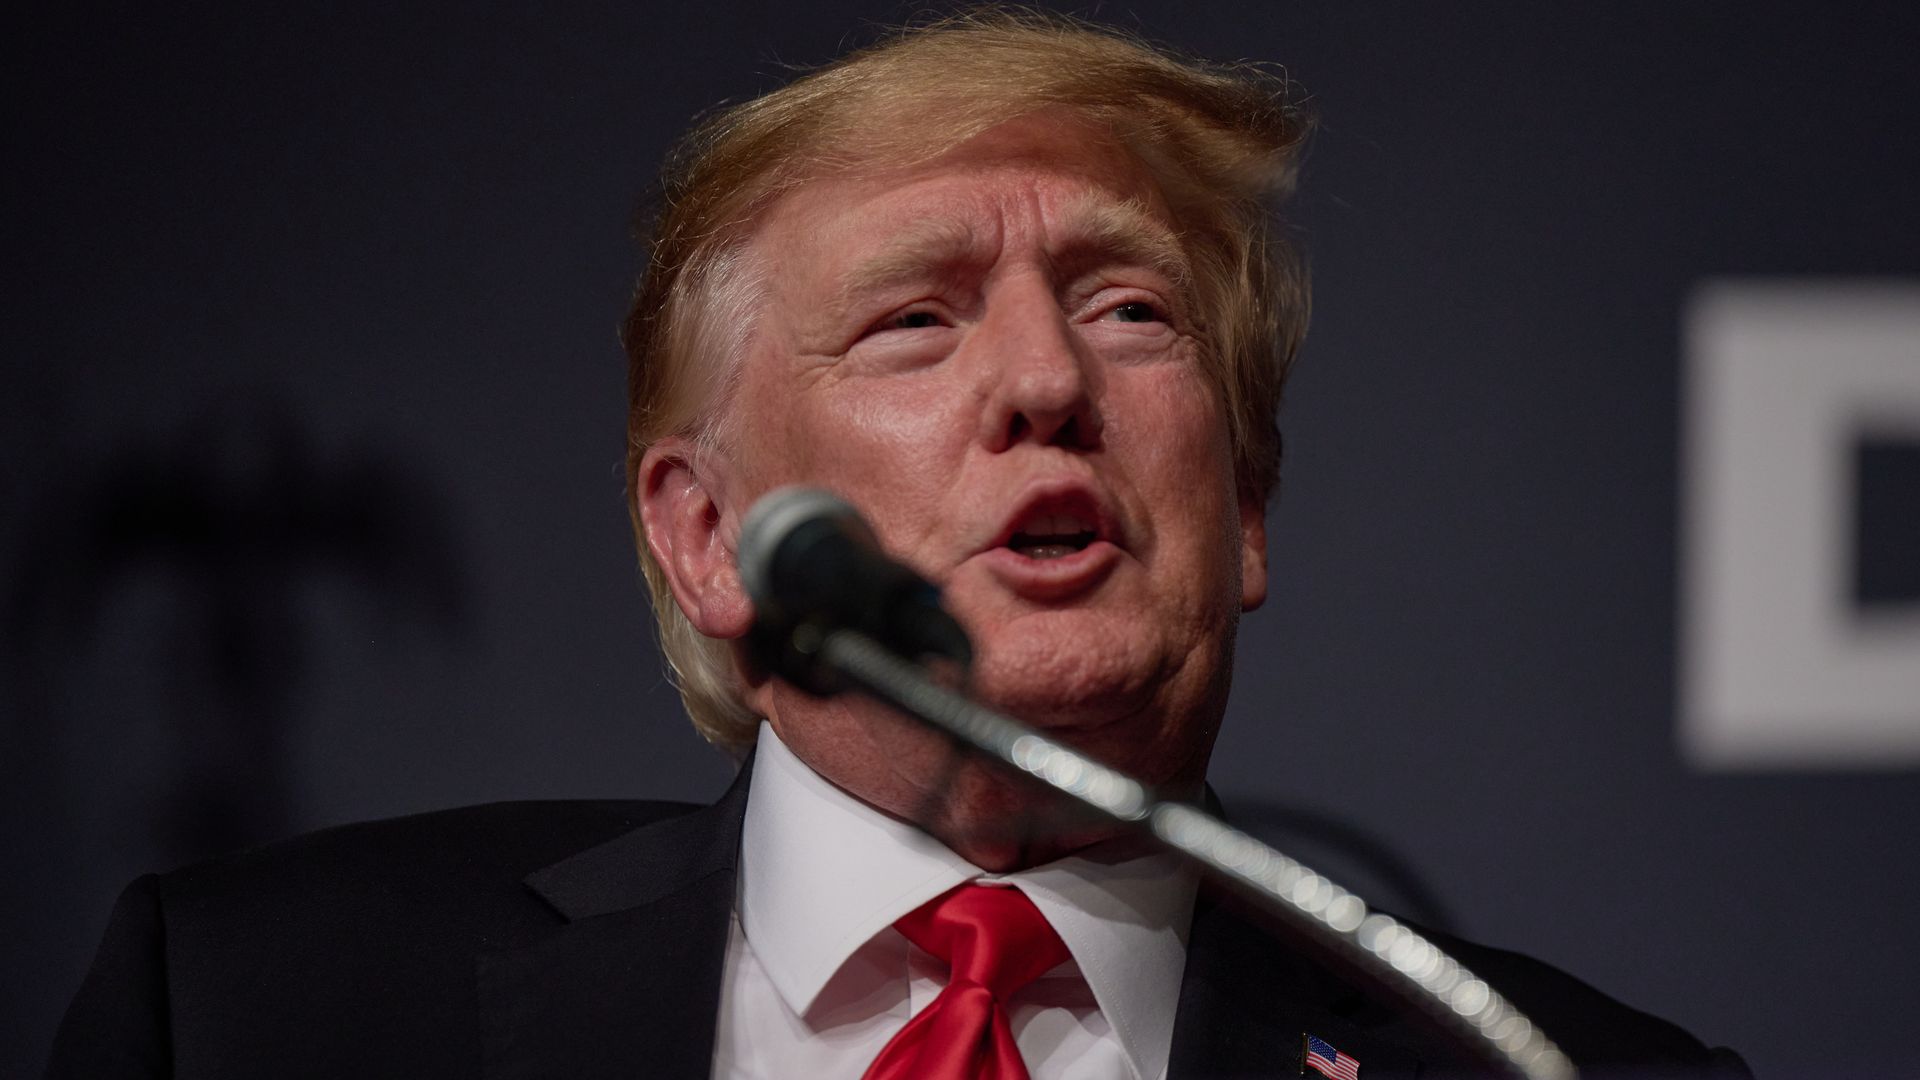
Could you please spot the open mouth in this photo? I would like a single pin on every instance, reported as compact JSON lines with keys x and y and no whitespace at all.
{"x":1053,"y":536}
{"x":1058,"y":544}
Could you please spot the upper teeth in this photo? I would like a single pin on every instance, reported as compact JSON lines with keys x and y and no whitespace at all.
{"x":1056,"y":525}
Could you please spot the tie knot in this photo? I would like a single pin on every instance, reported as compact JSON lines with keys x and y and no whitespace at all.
{"x":989,"y":936}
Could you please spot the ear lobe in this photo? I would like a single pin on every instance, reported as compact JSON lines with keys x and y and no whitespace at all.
{"x":1253,"y":552}
{"x":691,"y":532}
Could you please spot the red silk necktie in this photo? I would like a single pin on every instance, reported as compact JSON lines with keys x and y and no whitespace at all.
{"x":994,"y":942}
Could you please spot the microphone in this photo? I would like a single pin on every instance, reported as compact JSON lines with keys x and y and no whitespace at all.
{"x":815,"y":571}
{"x":812,"y":565}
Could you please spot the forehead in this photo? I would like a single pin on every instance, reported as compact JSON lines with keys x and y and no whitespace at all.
{"x":1064,"y":177}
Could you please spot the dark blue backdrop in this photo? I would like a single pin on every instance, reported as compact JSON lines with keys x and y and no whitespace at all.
{"x":313,"y":412}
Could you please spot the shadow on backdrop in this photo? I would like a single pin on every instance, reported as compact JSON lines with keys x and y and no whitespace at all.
{"x":234,"y":524}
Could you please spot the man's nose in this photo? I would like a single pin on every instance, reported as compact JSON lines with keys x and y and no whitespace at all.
{"x":1042,"y":379}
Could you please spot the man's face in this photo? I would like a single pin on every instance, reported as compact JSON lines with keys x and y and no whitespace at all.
{"x":992,"y":356}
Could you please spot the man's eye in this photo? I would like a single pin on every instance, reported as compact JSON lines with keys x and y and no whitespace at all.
{"x":1138,"y":311}
{"x":914,"y":320}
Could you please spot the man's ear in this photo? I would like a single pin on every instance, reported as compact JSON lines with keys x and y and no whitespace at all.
{"x":692,"y":529}
{"x":1253,"y":551}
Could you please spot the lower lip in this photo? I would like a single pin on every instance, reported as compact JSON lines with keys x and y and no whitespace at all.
{"x":1052,"y":579}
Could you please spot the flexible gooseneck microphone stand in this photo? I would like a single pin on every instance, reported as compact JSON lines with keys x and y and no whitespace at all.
{"x":834,"y":645}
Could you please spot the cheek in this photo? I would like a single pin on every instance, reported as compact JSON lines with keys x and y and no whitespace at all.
{"x":893,"y":446}
{"x":904,"y":417}
{"x":1183,"y":471}
{"x":774,"y":445}
{"x":1179,"y":430}
{"x":810,"y":425}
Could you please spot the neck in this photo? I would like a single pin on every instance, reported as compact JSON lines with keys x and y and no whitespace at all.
{"x":1002,"y":822}
{"x":980,"y":810}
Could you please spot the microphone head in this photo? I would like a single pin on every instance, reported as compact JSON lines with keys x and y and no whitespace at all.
{"x":811,"y":563}
{"x":772,"y":530}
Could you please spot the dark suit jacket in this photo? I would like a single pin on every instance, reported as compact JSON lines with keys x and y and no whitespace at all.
{"x":586,"y":939}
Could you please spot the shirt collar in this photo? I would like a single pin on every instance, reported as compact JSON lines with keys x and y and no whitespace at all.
{"x":822,"y":872}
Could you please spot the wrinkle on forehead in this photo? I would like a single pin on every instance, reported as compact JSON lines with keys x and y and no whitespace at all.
{"x":843,"y":240}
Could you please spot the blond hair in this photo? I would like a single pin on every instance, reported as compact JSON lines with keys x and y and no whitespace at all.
{"x":1220,"y":141}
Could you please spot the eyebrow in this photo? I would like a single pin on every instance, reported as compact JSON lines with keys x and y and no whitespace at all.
{"x":1098,"y":231}
{"x":1102,"y":231}
{"x":927,"y":248}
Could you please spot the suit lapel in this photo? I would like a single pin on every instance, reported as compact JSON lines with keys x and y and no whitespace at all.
{"x":1249,"y":995}
{"x":630,"y":985}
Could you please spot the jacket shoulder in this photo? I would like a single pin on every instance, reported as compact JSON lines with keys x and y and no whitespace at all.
{"x":1600,"y":1034}
{"x":435,"y":874}
{"x":493,"y":839}
{"x":322,"y":953}
{"x":1254,"y":986}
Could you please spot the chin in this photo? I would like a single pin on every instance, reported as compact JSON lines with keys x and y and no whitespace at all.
{"x":1074,"y":715}
{"x":1061,"y":672}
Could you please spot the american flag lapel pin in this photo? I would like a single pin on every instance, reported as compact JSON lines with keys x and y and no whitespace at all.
{"x":1318,"y":1054}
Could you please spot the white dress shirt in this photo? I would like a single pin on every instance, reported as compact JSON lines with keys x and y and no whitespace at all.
{"x":817,"y":979}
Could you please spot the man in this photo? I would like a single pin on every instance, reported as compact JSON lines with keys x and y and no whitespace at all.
{"x":1005,"y":284}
